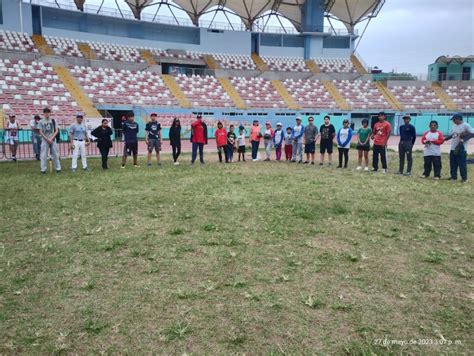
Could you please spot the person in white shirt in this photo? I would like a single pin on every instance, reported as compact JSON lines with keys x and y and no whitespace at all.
{"x":11,"y":129}
{"x":241,"y":143}
{"x":79,"y":140}
{"x":460,"y":132}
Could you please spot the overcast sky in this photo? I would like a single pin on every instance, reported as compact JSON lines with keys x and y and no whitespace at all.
{"x":406,"y":36}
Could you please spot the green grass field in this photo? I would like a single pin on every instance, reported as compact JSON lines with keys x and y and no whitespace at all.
{"x":255,"y":258}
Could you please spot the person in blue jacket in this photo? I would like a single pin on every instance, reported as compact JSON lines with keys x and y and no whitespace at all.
{"x":278,"y":137}
{"x":344,"y":136}
{"x":405,"y":147}
{"x":298,"y":133}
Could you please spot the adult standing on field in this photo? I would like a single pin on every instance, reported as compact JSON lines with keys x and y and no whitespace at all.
{"x":48,"y":131}
{"x":255,"y":136}
{"x":35,"y":136}
{"x":103,"y":133}
{"x":405,"y":147}
{"x":198,"y":138}
{"x":298,"y":133}
{"x":153,"y":138}
{"x":175,"y":139}
{"x":11,"y":130}
{"x":381,"y":134}
{"x":130,"y":135}
{"x":460,"y":134}
{"x":79,"y":140}
{"x":327,"y":132}
{"x":310,"y":134}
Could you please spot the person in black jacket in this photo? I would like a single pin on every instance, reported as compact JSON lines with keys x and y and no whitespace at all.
{"x":175,"y":139}
{"x":104,"y":141}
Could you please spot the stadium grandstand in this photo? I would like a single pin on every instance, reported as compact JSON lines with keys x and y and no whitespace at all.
{"x":83,"y":56}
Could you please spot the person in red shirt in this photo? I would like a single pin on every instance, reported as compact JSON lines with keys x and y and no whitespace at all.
{"x":380,"y":135}
{"x":198,"y":138}
{"x":221,"y":141}
{"x":255,"y":136}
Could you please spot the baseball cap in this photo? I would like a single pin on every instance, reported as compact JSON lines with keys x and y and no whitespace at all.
{"x":153,"y":114}
{"x":298,"y":118}
{"x":457,"y":116}
{"x":268,"y":123}
{"x":79,"y":114}
{"x":11,"y":116}
{"x":279,"y":124}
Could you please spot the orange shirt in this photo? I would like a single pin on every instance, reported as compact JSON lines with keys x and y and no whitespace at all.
{"x":381,"y":132}
{"x":255,"y":133}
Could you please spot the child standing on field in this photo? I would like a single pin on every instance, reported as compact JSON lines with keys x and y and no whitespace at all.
{"x":268,"y":139}
{"x":221,"y":140}
{"x":231,"y":136}
{"x":432,"y":140}
{"x":241,"y":144}
{"x":344,"y":136}
{"x":278,"y":140}
{"x":288,"y":143}
{"x":363,"y":144}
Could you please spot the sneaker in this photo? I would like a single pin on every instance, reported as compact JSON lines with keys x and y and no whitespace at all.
{"x":436,"y":178}
{"x":374,"y":170}
{"x":451,"y":178}
{"x":254,"y":160}
{"x":73,"y":170}
{"x":464,"y":181}
{"x":359,"y":168}
{"x":321,"y":164}
{"x":312,"y":163}
{"x":37,"y":157}
{"x":366,"y":169}
{"x":423,"y":176}
{"x":407,"y":174}
{"x":384,"y":171}
{"x":148,"y":164}
{"x":122,"y":166}
{"x":43,"y":172}
{"x":330,"y":164}
{"x":14,"y":159}
{"x":306,"y":162}
{"x":339,"y":167}
{"x":398,"y":173}
{"x":58,"y":172}
{"x":136,"y":166}
{"x":293,"y":161}
{"x":300,"y":162}
{"x":159,"y":163}
{"x":85,"y":169}
{"x":176,"y":163}
{"x":267,"y":159}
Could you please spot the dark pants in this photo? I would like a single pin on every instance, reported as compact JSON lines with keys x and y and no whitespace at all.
{"x":405,"y":148}
{"x":343,"y":152}
{"x":255,"y":145}
{"x":458,"y":160}
{"x":176,"y":151}
{"x":379,"y":150}
{"x":229,"y":153}
{"x":197,"y":146}
{"x":104,"y":153}
{"x":435,"y":162}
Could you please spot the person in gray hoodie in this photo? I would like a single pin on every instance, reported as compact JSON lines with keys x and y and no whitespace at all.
{"x":460,"y":134}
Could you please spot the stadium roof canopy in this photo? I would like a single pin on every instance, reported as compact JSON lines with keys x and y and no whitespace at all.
{"x":349,"y":12}
{"x":455,"y":59}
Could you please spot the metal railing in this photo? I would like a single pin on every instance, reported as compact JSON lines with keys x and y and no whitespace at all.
{"x":25,"y":149}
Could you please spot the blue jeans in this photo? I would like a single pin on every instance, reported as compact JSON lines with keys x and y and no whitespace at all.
{"x":229,"y":153}
{"x":255,"y":145}
{"x":458,"y":160}
{"x":297,"y":151}
{"x":197,"y":146}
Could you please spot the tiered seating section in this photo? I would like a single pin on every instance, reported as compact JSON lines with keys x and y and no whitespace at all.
{"x":417,"y":97}
{"x":361,"y":94}
{"x":187,"y":119}
{"x":204,"y":91}
{"x":463,"y":97}
{"x":187,"y":55}
{"x":111,"y":52}
{"x":258,"y":92}
{"x":285,"y":64}
{"x":63,"y":46}
{"x":126,"y":87}
{"x":335,"y":65}
{"x":28,"y":87}
{"x":16,"y":41}
{"x":309,"y":93}
{"x":235,"y":61}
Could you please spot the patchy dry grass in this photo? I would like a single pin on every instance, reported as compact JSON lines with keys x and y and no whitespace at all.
{"x":244,"y":258}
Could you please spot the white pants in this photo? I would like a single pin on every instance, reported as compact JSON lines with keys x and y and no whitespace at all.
{"x":79,"y":149}
{"x":45,"y":146}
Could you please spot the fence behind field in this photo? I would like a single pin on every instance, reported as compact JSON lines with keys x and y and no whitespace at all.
{"x":25,"y":148}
